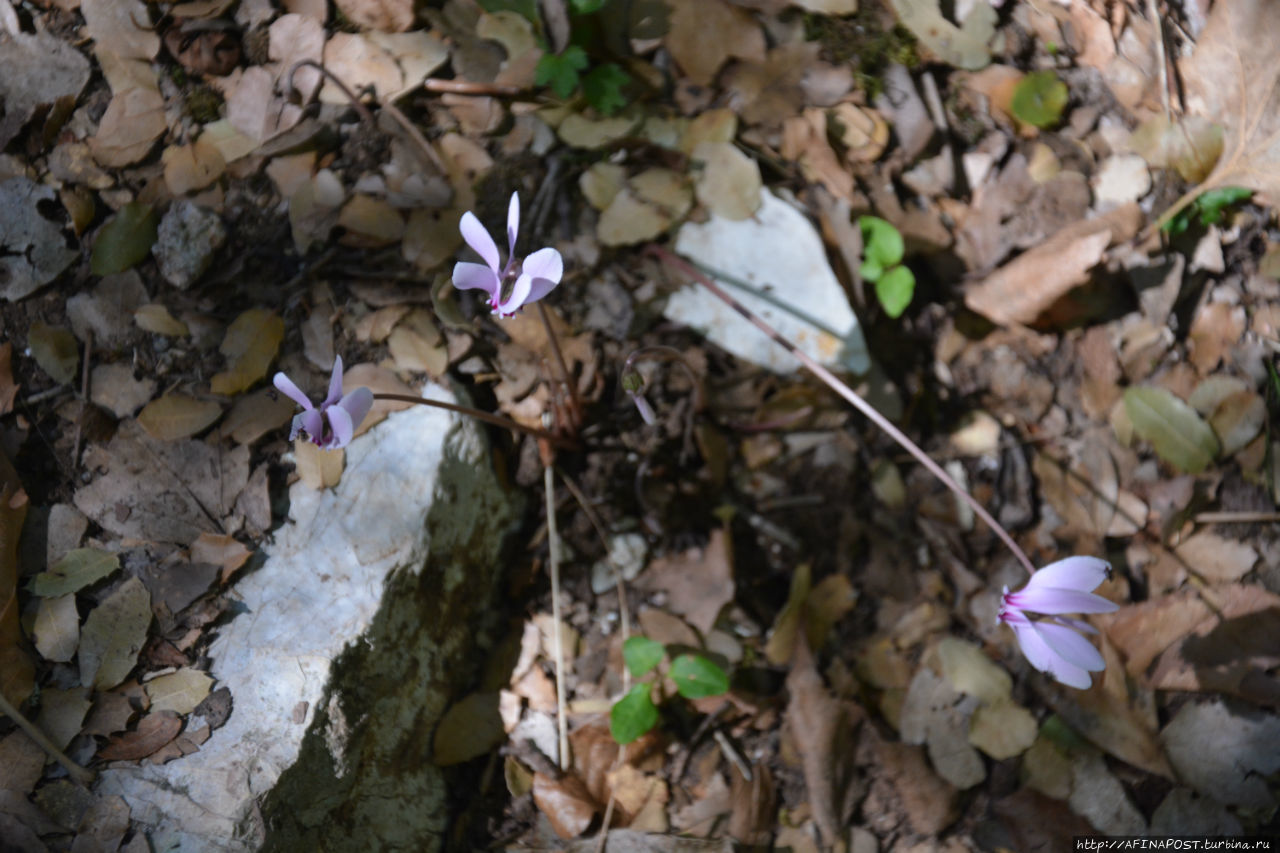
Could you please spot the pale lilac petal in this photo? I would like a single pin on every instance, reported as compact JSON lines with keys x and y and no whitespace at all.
{"x":513,"y":224}
{"x":335,"y":384}
{"x":546,"y":264}
{"x":309,"y":422}
{"x":519,"y":296}
{"x":1071,"y":647}
{"x":1082,"y":573}
{"x":357,"y":405}
{"x":538,"y":288}
{"x":1045,"y":658}
{"x":1049,"y":600}
{"x":478,"y":238}
{"x":286,"y":387}
{"x":475,"y":277}
{"x":343,"y":429}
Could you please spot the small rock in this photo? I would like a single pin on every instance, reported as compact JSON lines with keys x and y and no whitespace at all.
{"x":188,"y":238}
{"x":626,"y":555}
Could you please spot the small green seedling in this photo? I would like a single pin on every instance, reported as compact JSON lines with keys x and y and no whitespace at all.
{"x":1039,"y":99}
{"x":636,"y":713}
{"x":1208,"y":209}
{"x":882,"y":251}
{"x":566,"y":71}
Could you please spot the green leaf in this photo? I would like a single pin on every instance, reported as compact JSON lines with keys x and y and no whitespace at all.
{"x":124,"y":240}
{"x":603,"y":88}
{"x":641,"y":654}
{"x":77,"y":569}
{"x":633,"y":714}
{"x":696,"y":677}
{"x":1039,"y":99}
{"x":894,"y":290}
{"x":881,"y":246}
{"x":560,"y":71}
{"x":1176,"y":431}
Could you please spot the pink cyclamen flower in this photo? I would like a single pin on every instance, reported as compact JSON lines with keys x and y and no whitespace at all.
{"x":333,"y":424}
{"x":1052,"y":644}
{"x":529,"y":281}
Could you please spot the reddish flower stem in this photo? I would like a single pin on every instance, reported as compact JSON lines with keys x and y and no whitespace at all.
{"x":850,"y":395}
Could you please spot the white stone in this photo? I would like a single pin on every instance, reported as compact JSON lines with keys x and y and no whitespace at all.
{"x":777,"y":252}
{"x":318,"y":590}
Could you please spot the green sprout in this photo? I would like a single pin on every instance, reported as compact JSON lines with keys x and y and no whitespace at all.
{"x":635,"y":714}
{"x":882,"y":253}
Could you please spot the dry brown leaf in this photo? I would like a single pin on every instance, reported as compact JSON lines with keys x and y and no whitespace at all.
{"x":220,"y":550}
{"x":824,"y":729}
{"x":57,"y":628}
{"x":1142,"y":631}
{"x":1216,"y":328}
{"x":566,"y":802}
{"x":16,"y":670}
{"x":698,"y":582}
{"x":155,"y":318}
{"x":175,"y":416}
{"x":318,"y":469}
{"x":249,"y":346}
{"x":700,"y":56}
{"x":118,"y":28}
{"x":752,"y":821}
{"x":804,"y":139}
{"x":379,"y":380}
{"x":1217,"y":559}
{"x":254,"y":415}
{"x":370,"y":222}
{"x":134,"y":120}
{"x":1231,"y":79}
{"x":8,"y":388}
{"x":153,"y":732}
{"x":392,"y":16}
{"x":192,"y":167}
{"x":1025,"y":287}
{"x":769,"y":92}
{"x":729,"y":183}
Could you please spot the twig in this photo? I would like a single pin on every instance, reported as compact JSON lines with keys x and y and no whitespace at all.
{"x":575,"y":413}
{"x":1154,"y":11}
{"x":333,"y":78}
{"x":553,"y":548}
{"x":496,"y":420}
{"x":467,"y":87}
{"x":1236,"y":517}
{"x":84,"y":399}
{"x":850,"y":395}
{"x":81,"y":775}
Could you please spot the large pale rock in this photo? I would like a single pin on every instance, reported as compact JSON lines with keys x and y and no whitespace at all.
{"x":778,"y":253}
{"x":367,"y":618}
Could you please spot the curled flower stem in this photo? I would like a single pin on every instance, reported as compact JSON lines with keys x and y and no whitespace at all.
{"x":851,"y":396}
{"x":81,"y":775}
{"x":496,"y":420}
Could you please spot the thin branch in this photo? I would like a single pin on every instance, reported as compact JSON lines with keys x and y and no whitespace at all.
{"x":575,"y":415}
{"x":78,"y":773}
{"x":553,"y":548}
{"x":851,"y":396}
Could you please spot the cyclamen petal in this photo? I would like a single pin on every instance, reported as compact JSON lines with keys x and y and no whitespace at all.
{"x":333,"y":424}
{"x":535,"y":278}
{"x":1054,"y":644}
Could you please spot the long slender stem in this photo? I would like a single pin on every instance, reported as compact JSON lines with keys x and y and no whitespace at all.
{"x":80,"y":774}
{"x":850,"y":395}
{"x":574,"y":399}
{"x":553,"y":548}
{"x":480,"y":415}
